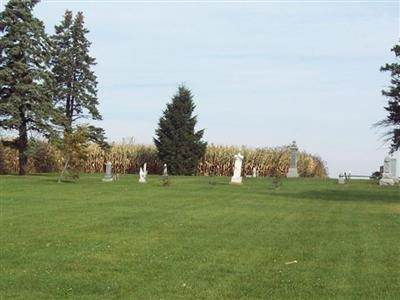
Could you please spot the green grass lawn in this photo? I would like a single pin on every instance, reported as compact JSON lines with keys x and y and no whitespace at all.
{"x":193,"y":240}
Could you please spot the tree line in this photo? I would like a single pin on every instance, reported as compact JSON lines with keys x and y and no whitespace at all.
{"x":47,"y":82}
{"x":48,"y":85}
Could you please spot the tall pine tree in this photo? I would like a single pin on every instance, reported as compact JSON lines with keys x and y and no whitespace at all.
{"x":76,"y":83}
{"x":25,"y":81}
{"x":393,"y":107}
{"x":177,"y":142}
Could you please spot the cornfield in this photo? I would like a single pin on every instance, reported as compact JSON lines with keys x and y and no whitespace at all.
{"x":218,"y":160}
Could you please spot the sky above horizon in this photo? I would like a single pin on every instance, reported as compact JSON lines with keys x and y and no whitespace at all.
{"x":262,"y":73}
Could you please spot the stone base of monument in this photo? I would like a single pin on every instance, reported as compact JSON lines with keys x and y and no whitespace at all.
{"x":236,"y":180}
{"x":142,"y":180}
{"x":386,"y":181}
{"x":107,"y":179}
{"x":341,"y":180}
{"x":292,"y":173}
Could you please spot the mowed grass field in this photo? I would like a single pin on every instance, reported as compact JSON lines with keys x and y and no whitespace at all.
{"x":193,"y":240}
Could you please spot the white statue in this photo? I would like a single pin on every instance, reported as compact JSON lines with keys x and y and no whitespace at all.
{"x":142,"y":176}
{"x":387,"y":178}
{"x":165,"y":172}
{"x":145,"y":170}
{"x":341,"y":179}
{"x":255,"y":172}
{"x":237,"y":171}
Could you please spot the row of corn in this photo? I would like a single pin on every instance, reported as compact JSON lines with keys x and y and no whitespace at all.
{"x":218,"y":160}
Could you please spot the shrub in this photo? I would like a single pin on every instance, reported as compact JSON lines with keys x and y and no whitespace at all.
{"x":43,"y":156}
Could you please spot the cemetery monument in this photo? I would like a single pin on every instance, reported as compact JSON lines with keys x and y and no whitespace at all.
{"x":387,"y":178}
{"x":108,"y":177}
{"x":237,"y":170}
{"x":255,"y":172}
{"x":293,"y":161}
{"x":143,"y":174}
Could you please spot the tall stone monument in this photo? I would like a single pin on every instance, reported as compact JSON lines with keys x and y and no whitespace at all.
{"x":387,"y":178}
{"x":393,"y":167}
{"x":108,"y":175}
{"x":237,"y":170}
{"x":293,"y":160}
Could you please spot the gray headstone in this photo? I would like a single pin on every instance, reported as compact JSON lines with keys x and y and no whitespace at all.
{"x":108,"y":175}
{"x":387,"y":178}
{"x":293,"y":160}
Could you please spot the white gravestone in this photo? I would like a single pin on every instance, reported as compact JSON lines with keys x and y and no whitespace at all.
{"x":108,"y":175}
{"x":255,"y":172}
{"x":237,"y":171}
{"x":341,"y":179}
{"x":142,"y":174}
{"x":293,"y":161}
{"x":165,"y":172}
{"x":387,"y":175}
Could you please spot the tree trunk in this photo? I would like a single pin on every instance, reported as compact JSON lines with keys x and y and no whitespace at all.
{"x":23,"y":146}
{"x":68,"y":108}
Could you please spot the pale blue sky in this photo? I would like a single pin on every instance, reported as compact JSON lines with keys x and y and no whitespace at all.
{"x":262,"y":74}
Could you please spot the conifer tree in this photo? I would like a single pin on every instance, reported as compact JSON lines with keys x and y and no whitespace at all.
{"x":177,"y":142}
{"x":25,"y":81}
{"x":393,"y":107}
{"x":76,"y":82}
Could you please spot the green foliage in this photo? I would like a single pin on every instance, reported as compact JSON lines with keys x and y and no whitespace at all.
{"x":74,"y":147}
{"x":25,"y":81}
{"x":277,"y":173}
{"x":177,"y":142}
{"x":277,"y":182}
{"x":393,"y":107}
{"x":376,"y":175}
{"x":75,"y":82}
{"x":43,"y":156}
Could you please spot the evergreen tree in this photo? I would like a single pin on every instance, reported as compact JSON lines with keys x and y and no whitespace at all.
{"x":177,"y":142}
{"x":25,"y":81}
{"x":76,"y":83}
{"x":393,"y":106}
